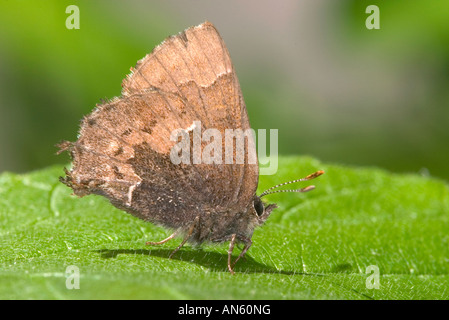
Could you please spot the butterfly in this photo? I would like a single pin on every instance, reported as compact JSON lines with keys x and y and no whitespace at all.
{"x":124,"y":146}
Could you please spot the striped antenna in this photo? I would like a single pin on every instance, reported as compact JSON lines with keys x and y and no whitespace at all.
{"x":309,"y":177}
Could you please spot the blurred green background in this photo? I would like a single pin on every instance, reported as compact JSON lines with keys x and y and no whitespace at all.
{"x":311,"y":69}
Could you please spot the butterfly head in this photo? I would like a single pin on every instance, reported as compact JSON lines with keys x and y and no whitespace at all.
{"x":262,"y":211}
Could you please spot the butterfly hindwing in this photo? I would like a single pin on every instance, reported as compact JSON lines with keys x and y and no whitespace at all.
{"x":123,"y":150}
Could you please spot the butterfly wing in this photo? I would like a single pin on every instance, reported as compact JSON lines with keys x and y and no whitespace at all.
{"x":123,"y":151}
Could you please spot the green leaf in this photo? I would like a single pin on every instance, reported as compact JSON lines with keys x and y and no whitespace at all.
{"x":317,"y":245}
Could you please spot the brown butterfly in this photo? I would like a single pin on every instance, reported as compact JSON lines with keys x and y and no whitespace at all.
{"x":124,"y":145}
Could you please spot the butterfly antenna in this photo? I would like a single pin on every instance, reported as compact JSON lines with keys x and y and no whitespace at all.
{"x":309,"y":177}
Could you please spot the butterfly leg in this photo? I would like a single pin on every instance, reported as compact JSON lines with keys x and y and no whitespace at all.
{"x":247,"y":243}
{"x":231,"y":248}
{"x":163,"y":241}
{"x":188,"y":235}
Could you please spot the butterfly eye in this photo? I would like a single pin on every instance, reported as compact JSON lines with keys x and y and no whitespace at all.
{"x":258,"y":206}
